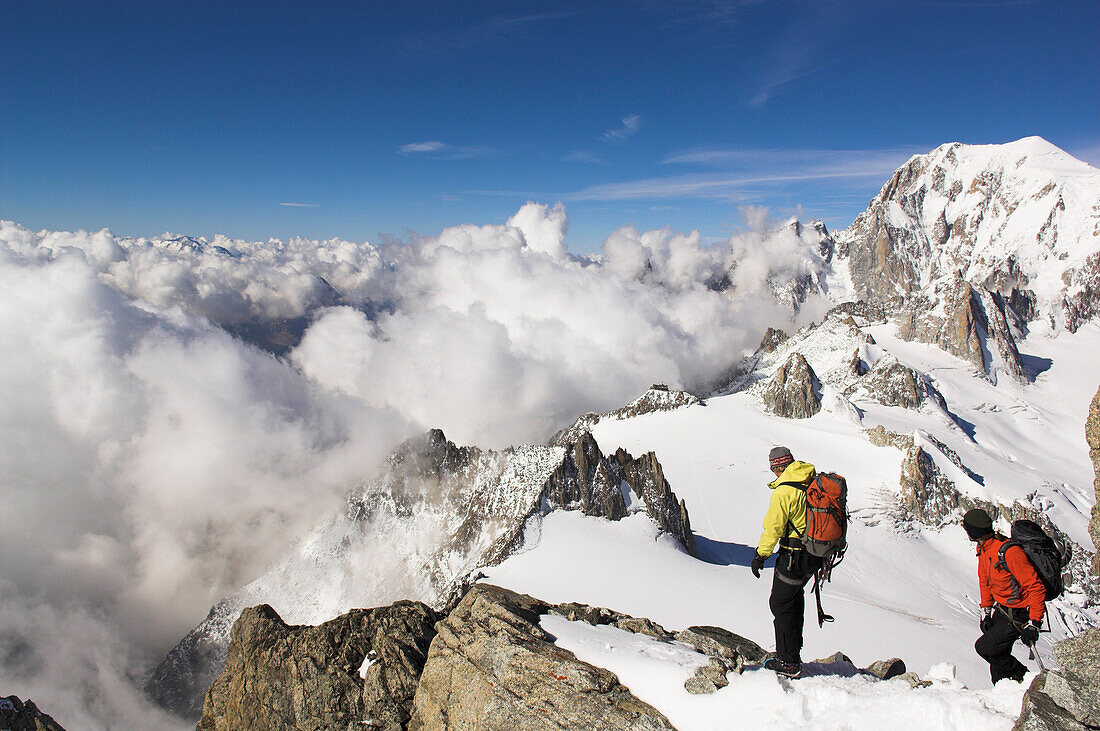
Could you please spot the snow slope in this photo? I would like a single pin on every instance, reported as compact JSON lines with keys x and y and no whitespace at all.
{"x":905,"y":589}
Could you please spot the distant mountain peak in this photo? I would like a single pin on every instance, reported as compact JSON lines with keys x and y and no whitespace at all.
{"x":1019,"y":222}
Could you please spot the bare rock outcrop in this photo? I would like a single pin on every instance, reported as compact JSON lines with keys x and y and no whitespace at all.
{"x":1092,"y":436}
{"x":892,"y":384}
{"x":971,"y":323}
{"x":646,"y":479}
{"x":357,"y":671}
{"x":609,"y":487}
{"x":19,"y":715}
{"x":492,"y":667}
{"x":793,"y":391}
{"x":659,"y":397}
{"x":1068,"y":698}
{"x":586,"y":481}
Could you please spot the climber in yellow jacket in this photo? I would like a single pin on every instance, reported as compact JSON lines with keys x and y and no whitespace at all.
{"x":784,"y":523}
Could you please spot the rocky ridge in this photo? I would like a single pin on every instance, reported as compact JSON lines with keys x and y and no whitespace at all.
{"x":488,"y":664}
{"x":834,"y":364}
{"x":19,"y":715}
{"x":436,"y":513}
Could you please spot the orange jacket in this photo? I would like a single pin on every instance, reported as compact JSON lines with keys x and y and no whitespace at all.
{"x":997,"y":584}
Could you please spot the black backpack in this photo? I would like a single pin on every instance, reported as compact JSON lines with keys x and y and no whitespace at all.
{"x":1048,"y":557}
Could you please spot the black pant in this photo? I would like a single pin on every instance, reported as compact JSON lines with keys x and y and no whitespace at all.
{"x":793,"y":568}
{"x":995,"y":645}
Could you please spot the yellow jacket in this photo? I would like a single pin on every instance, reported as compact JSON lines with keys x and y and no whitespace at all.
{"x":787,"y":508}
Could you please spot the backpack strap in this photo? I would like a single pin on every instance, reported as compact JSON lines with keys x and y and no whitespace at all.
{"x":1003,"y":566}
{"x":790,"y":524}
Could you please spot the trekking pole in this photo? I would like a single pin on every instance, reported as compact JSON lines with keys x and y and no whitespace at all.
{"x":1036,"y":657}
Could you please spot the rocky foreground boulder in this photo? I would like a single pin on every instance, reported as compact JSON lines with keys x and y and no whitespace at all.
{"x":358,"y":671}
{"x":492,"y":667}
{"x":1067,"y":699}
{"x":18,"y":715}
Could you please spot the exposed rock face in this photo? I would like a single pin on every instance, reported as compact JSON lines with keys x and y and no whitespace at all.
{"x":17,"y":715}
{"x":892,"y":384}
{"x":793,"y":391}
{"x":712,"y":676}
{"x":880,"y":436}
{"x":1092,"y":436}
{"x":1081,"y":301}
{"x":646,"y":479}
{"x":424,"y":521}
{"x":588,"y":482}
{"x":180,"y":681}
{"x":1068,"y":698}
{"x":930,"y":497}
{"x":976,"y":325}
{"x":492,"y":667}
{"x":283,"y":677}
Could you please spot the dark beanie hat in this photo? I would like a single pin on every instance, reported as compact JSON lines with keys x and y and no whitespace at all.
{"x":780,"y":457}
{"x":977,"y":523}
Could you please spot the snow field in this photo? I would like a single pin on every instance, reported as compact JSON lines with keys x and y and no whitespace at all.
{"x":828,"y":697}
{"x":904,"y":589}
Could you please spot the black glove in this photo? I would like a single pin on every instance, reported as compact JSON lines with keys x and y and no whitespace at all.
{"x":986,"y":620}
{"x":1029,"y":633}
{"x":757,"y":564}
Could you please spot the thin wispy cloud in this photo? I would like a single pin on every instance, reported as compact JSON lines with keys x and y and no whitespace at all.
{"x":585,"y":156}
{"x":630,"y":126}
{"x":442,"y":150}
{"x":430,"y":146}
{"x":301,"y":205}
{"x":778,"y":78}
{"x":749,"y":171}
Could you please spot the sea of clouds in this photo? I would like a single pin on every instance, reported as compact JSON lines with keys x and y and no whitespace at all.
{"x":151,"y":461}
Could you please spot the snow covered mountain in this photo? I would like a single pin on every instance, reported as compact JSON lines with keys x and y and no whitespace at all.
{"x":968,"y":244}
{"x":973,"y":263}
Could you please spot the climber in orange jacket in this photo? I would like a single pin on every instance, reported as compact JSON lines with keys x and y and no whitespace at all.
{"x":1013,"y":598}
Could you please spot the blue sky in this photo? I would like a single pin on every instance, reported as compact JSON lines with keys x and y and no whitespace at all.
{"x":377,"y":118}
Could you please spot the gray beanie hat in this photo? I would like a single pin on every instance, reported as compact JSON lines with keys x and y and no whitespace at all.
{"x":780,"y":457}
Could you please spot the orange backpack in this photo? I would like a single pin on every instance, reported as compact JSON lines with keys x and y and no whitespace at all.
{"x":826,"y":528}
{"x":826,"y":517}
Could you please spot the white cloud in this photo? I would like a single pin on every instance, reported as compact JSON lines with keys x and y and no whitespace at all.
{"x":630,"y":126}
{"x":430,"y":146}
{"x":168,"y":462}
{"x":300,"y":205}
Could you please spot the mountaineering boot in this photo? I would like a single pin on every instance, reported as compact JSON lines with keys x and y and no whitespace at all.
{"x":786,"y":669}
